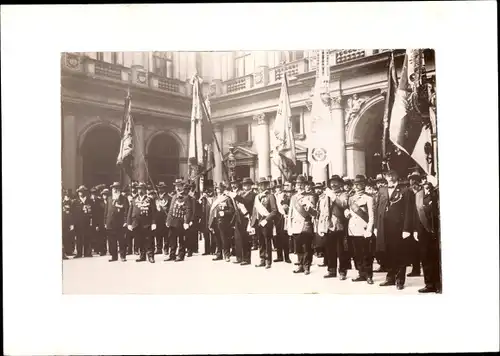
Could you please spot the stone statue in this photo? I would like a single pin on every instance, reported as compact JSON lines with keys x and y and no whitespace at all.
{"x":354,"y":104}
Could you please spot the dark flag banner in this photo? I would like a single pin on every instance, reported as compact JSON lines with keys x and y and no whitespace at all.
{"x":284,"y":153}
{"x":125,"y":156}
{"x":409,"y":126}
{"x":392,"y":84}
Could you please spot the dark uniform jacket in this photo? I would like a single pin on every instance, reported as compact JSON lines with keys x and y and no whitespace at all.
{"x":222,"y":210}
{"x":247,"y":198}
{"x":115,"y":212}
{"x":180,"y":211}
{"x":67,"y":217}
{"x":425,"y":218}
{"x":268,"y":200}
{"x":83,"y":212}
{"x":141,"y":212}
{"x":162,"y":205}
{"x":393,"y":215}
{"x":98,"y":216}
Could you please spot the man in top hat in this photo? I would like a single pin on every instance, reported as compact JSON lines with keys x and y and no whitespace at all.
{"x":83,"y":214}
{"x":319,"y":240}
{"x":98,"y":233}
{"x":162,"y":203}
{"x":281,"y":241}
{"x":246,"y":197}
{"x":241,"y":237}
{"x":414,"y":184}
{"x":222,"y":218}
{"x":300,"y":224}
{"x":67,"y":226}
{"x":141,"y":221}
{"x":132,"y":244}
{"x":285,"y":205}
{"x":178,"y":218}
{"x":192,"y":231}
{"x":380,"y":182}
{"x":332,"y":223}
{"x":426,"y":232}
{"x":263,"y":216}
{"x":360,"y":229}
{"x":115,"y":221}
{"x":393,"y":224}
{"x":206,"y":200}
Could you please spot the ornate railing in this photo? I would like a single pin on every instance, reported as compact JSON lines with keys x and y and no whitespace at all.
{"x":108,"y":70}
{"x":347,"y":55}
{"x":292,"y":69}
{"x":168,"y":85}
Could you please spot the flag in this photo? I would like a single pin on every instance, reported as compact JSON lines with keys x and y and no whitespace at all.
{"x":209,"y":152}
{"x":125,"y":157}
{"x":409,"y":126}
{"x":201,"y":133}
{"x":284,"y":155}
{"x":392,"y":84}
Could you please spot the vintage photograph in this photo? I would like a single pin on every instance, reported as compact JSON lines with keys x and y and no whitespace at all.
{"x":242,"y":172}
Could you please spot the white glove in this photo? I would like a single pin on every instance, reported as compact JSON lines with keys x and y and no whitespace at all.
{"x":186,"y":226}
{"x":263,"y":223}
{"x":191,"y":223}
{"x":129,"y":227}
{"x":124,"y":224}
{"x":367,"y":234}
{"x":415,"y":235}
{"x":251,"y":231}
{"x":97,"y":228}
{"x":375,"y":232}
{"x":347,"y":213}
{"x":72,"y":227}
{"x":405,"y":234}
{"x":153,"y":227}
{"x":321,"y":233}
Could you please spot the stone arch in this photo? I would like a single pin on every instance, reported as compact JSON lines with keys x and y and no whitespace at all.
{"x":95,"y":124}
{"x":355,"y":126}
{"x":173,"y":135}
{"x":164,"y":150}
{"x":97,"y":152}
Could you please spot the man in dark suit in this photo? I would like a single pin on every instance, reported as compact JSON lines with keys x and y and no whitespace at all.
{"x":141,"y":222}
{"x":426,"y":232}
{"x":221,"y":221}
{"x":115,"y":221}
{"x":98,"y":236}
{"x":67,"y":230}
{"x":414,"y":180}
{"x":205,"y":201}
{"x":244,"y":199}
{"x":263,"y":216}
{"x":393,"y":224}
{"x":192,"y":231}
{"x":162,"y":204}
{"x":83,"y":213}
{"x":178,"y":218}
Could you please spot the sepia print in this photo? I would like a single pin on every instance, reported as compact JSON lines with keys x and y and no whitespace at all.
{"x":301,"y":171}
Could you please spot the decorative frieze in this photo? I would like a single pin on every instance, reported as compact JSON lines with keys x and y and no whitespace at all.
{"x":260,"y":118}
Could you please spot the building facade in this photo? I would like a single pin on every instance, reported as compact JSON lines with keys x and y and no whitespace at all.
{"x":243,"y":88}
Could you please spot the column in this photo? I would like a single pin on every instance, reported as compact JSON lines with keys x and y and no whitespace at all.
{"x":355,"y":160}
{"x":230,"y":64}
{"x":218,"y":169}
{"x":69,"y":151}
{"x":338,"y":158}
{"x":140,"y":164}
{"x":262,"y":143}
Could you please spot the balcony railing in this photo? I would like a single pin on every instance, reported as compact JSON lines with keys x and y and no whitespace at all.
{"x":292,"y":69}
{"x":135,"y":75}
{"x":238,"y":84}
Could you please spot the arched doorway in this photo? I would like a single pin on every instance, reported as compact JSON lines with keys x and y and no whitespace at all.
{"x":99,"y":151}
{"x":163,"y":157}
{"x":364,"y":140}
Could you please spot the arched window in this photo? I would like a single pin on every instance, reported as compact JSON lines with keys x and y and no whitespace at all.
{"x":163,"y":159}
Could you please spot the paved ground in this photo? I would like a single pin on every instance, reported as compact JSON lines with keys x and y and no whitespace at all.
{"x":200,"y":275}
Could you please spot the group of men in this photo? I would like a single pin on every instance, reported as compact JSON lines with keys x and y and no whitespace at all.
{"x":394,"y":222}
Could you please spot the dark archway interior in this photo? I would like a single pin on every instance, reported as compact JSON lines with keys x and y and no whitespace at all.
{"x":163,"y":159}
{"x":99,"y":153}
{"x":370,"y":132}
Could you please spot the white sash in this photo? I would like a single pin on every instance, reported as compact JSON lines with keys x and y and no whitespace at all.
{"x":217,"y":201}
{"x":261,"y":209}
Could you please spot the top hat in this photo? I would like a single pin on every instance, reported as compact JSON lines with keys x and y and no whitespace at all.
{"x":178,"y":182}
{"x":318,"y":186}
{"x":300,"y":179}
{"x":335,"y":178}
{"x":82,"y":188}
{"x":414,"y":175}
{"x":115,"y":185}
{"x":263,"y":180}
{"x":161,"y":185}
{"x":287,"y":187}
{"x":360,"y":179}
{"x":93,"y":190}
{"x":141,"y":185}
{"x":392,"y":173}
{"x":221,"y":186}
{"x":105,"y":191}
{"x":247,"y":180}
